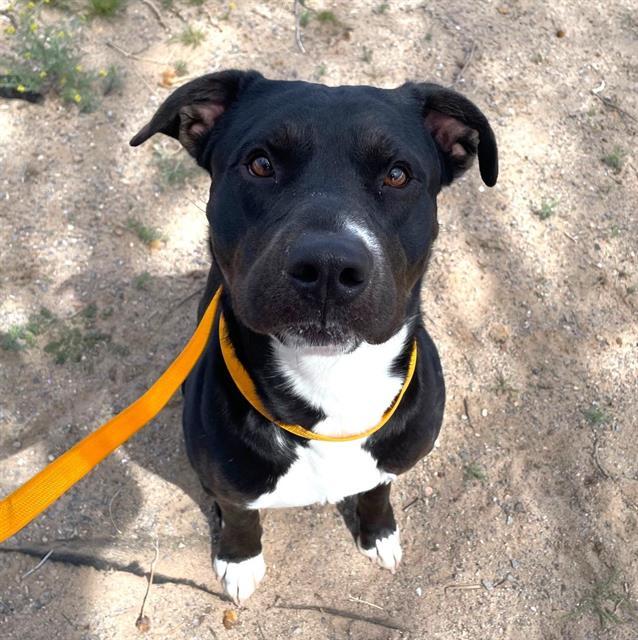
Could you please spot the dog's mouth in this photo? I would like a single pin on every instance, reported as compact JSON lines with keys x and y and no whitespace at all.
{"x":324,"y":339}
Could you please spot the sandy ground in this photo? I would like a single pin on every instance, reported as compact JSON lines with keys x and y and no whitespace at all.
{"x":523,"y":521}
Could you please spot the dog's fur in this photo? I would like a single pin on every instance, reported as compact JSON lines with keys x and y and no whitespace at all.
{"x":321,"y":261}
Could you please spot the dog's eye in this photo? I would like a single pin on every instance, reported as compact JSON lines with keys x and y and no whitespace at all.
{"x":261,"y":167}
{"x":397,"y":178}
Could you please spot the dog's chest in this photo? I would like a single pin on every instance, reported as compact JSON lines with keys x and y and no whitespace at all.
{"x":353,"y":390}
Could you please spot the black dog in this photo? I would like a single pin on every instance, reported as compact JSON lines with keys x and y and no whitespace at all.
{"x":322,"y":213}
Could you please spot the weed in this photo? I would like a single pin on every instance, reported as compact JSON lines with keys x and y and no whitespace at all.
{"x":71,"y":344}
{"x":614,"y":160}
{"x":366,"y":55}
{"x":606,"y":600}
{"x":105,"y":8}
{"x":148,"y":235}
{"x":112,"y":80}
{"x":474,"y":471}
{"x":321,"y":71}
{"x":142,"y":281}
{"x":181,"y":68}
{"x":173,"y":169}
{"x":327,"y":17}
{"x":595,"y":416}
{"x":22,"y":336}
{"x":380,"y":9}
{"x":502,"y":387}
{"x":546,"y":209}
{"x":45,"y":59}
{"x":304,"y":19}
{"x":192,"y":37}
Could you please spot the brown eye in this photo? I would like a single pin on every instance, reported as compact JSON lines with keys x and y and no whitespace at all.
{"x":261,"y":167}
{"x":396,"y":178}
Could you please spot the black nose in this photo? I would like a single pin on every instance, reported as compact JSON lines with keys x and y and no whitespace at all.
{"x":329,"y":267}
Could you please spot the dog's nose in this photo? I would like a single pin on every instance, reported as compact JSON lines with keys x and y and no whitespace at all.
{"x":329,"y":267}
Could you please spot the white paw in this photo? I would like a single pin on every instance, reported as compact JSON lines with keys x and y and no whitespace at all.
{"x":240,"y":579}
{"x":386,"y":553}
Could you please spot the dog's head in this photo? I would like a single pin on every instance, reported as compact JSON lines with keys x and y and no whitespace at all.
{"x":323,"y":199}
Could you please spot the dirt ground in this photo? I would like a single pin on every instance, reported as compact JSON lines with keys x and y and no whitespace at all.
{"x":523,"y":521}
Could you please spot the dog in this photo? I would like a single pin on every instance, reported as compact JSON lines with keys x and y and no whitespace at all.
{"x":322,"y":212}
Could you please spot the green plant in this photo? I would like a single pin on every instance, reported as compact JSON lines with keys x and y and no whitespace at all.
{"x":148,"y":235}
{"x":192,"y":37}
{"x":326,"y":17}
{"x":111,"y":80}
{"x":614,"y":160}
{"x":595,"y":416}
{"x":46,"y":58}
{"x":546,"y":209}
{"x":380,"y":9}
{"x":474,"y":471}
{"x":181,"y":68}
{"x":105,"y":8}
{"x":71,"y":343}
{"x":607,"y":601}
{"x":142,"y":280}
{"x":22,"y":336}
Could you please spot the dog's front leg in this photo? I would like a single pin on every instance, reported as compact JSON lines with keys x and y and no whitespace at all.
{"x":378,"y":531}
{"x":239,"y":563}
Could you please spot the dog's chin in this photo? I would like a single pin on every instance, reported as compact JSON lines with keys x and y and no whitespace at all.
{"x":331,"y":340}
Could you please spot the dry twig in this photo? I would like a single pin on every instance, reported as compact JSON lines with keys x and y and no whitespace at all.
{"x":298,"y":40}
{"x":37,"y":566}
{"x":157,"y":13}
{"x":132,"y":56}
{"x":349,"y":615}
{"x":468,"y":59}
{"x":141,"y":617}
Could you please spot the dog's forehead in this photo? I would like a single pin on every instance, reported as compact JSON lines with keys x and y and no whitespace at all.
{"x":303,"y":107}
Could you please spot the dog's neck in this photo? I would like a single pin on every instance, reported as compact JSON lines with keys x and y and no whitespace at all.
{"x":352,"y":389}
{"x":329,"y":391}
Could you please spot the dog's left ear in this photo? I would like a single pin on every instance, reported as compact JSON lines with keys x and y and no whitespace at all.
{"x":460,"y":131}
{"x":192,"y":110}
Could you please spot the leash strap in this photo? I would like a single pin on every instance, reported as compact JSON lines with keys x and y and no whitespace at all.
{"x":244,"y":383}
{"x":38,"y":493}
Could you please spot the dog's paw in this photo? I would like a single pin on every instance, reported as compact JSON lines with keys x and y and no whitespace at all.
{"x":386,"y":551}
{"x":240,"y":579}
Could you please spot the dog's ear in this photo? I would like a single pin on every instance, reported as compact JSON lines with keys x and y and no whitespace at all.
{"x":192,"y":110}
{"x":460,"y":131}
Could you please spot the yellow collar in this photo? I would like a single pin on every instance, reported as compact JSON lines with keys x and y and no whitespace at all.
{"x":244,"y":383}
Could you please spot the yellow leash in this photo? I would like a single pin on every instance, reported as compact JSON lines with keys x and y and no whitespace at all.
{"x":37,"y":494}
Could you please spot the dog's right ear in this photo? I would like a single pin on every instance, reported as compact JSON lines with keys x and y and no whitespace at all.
{"x":191,"y":111}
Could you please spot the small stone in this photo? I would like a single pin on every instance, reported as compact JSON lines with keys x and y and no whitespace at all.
{"x":419,"y":591}
{"x":484,"y":412}
{"x":515,"y":563}
{"x":499,"y":332}
{"x":509,"y":520}
{"x":230,"y":619}
{"x":487,"y":584}
{"x":429,"y":491}
{"x":143,"y":624}
{"x":560,"y":33}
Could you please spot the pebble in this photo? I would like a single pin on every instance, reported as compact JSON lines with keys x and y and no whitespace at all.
{"x":419,"y":591}
{"x":499,"y":332}
{"x":429,"y":491}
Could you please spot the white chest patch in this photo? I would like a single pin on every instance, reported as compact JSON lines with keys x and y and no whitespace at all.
{"x":353,"y":390}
